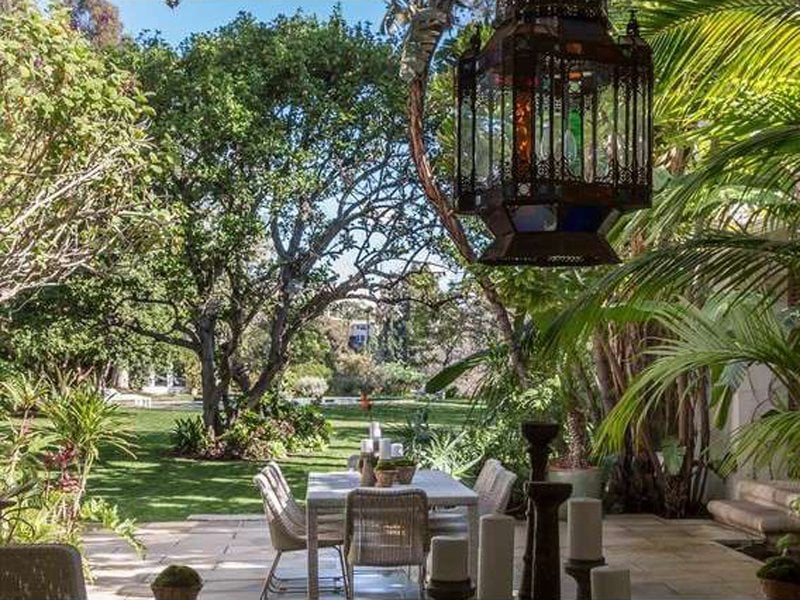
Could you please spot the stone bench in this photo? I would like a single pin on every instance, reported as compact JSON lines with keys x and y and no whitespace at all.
{"x":761,"y":508}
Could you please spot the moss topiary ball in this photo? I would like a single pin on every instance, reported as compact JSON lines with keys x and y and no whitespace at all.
{"x":781,"y":568}
{"x":178,"y":576}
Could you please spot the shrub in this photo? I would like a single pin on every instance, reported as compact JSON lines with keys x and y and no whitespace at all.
{"x":310,"y":429}
{"x":21,"y":393}
{"x":51,"y":465}
{"x":781,"y":568}
{"x":396,"y":378}
{"x":355,"y":373}
{"x":255,"y":437}
{"x":453,"y":453}
{"x":190,"y":437}
{"x":310,"y":387}
{"x":308,"y":369}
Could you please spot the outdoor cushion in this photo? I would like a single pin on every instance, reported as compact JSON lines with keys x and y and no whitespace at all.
{"x":753,"y":517}
{"x":776,"y":494}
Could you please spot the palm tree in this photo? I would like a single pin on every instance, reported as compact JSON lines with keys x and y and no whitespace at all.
{"x":722,"y":231}
{"x":725,"y":215}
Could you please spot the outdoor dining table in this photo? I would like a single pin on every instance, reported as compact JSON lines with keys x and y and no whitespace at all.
{"x":327,"y":492}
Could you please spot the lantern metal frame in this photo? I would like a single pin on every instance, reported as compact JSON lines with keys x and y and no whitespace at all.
{"x":554,"y":132}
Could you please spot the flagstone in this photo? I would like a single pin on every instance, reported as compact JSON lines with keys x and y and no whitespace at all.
{"x":667,"y":559}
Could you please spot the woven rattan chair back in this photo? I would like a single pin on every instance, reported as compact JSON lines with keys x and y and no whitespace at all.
{"x":385,"y":527}
{"x":41,"y":572}
{"x":284,"y":531}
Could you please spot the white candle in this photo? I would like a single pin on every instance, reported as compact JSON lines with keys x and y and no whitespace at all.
{"x":366,"y":446}
{"x":449,"y":558}
{"x":385,"y":448}
{"x":611,"y":583}
{"x":374,"y":430}
{"x":585,"y":523}
{"x":397,"y":450}
{"x":496,"y":558}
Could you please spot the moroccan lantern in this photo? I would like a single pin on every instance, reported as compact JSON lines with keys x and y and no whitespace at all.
{"x":554,"y":131}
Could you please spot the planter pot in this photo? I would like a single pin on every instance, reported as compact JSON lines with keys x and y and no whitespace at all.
{"x":586,"y":483}
{"x":384,"y":479}
{"x":780,"y":590}
{"x":406,"y":474}
{"x":175,"y":593}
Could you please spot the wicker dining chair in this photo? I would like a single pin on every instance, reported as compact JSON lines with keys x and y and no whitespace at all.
{"x":386,"y":528}
{"x":288,"y":532}
{"x":493,"y":486}
{"x":352,"y":462}
{"x":41,"y":572}
{"x":294,"y":512}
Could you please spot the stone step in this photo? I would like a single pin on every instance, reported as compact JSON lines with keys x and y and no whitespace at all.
{"x":775,"y":494}
{"x":753,"y":517}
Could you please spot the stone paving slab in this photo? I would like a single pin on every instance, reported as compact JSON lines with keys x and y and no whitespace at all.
{"x":668,"y":559}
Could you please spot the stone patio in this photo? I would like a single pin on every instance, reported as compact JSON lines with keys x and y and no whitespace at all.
{"x":668,"y":559}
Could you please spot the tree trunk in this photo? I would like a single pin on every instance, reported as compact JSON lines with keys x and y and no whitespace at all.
{"x":208,"y":373}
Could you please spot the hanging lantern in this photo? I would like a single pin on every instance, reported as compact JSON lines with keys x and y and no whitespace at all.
{"x":554,"y":132}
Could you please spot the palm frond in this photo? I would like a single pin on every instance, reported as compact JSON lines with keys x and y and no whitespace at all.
{"x":771,"y":441}
{"x":718,"y":337}
{"x":718,"y":261}
{"x":706,"y":48}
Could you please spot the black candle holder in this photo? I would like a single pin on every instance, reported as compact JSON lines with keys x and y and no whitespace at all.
{"x":538,"y":436}
{"x":450,"y":590}
{"x":581,"y":572}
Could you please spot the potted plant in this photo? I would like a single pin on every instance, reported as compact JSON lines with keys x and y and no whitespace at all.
{"x":406,"y":468}
{"x":177,"y":582}
{"x":780,"y":578}
{"x":385,"y":473}
{"x":575,"y":467}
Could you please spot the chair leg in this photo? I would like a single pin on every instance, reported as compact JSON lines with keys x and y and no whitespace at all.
{"x":423,"y":574}
{"x":344,"y":571}
{"x":270,"y":576}
{"x":351,"y":586}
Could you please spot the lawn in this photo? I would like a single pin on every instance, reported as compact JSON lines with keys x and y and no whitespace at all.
{"x":158,"y":487}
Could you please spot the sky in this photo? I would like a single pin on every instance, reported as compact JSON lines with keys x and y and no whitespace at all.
{"x":203,"y":15}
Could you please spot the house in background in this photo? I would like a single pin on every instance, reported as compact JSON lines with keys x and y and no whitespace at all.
{"x":360,"y":332}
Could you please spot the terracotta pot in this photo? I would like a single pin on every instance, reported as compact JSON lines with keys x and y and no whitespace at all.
{"x":384,"y":479}
{"x":780,"y":590}
{"x":586,"y":483}
{"x":176,"y":593}
{"x":406,"y":474}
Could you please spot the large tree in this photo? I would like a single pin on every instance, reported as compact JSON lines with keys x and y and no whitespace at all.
{"x":289,"y":170}
{"x":72,"y":151}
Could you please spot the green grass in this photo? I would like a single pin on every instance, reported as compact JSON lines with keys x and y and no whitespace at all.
{"x":159,"y":487}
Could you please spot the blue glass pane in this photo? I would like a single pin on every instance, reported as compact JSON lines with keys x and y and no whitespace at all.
{"x":534,"y":218}
{"x":582,"y":218}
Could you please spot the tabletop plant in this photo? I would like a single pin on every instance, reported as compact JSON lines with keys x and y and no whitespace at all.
{"x":385,"y":472}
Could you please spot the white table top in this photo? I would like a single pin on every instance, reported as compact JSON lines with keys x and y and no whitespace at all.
{"x":330,"y":489}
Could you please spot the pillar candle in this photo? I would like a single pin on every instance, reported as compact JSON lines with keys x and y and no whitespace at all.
{"x":496,"y":558}
{"x":385,"y":448}
{"x":366,"y":446}
{"x":449,"y":558}
{"x":374,"y":430}
{"x":611,"y":583}
{"x":585,"y":523}
{"x":397,"y":450}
